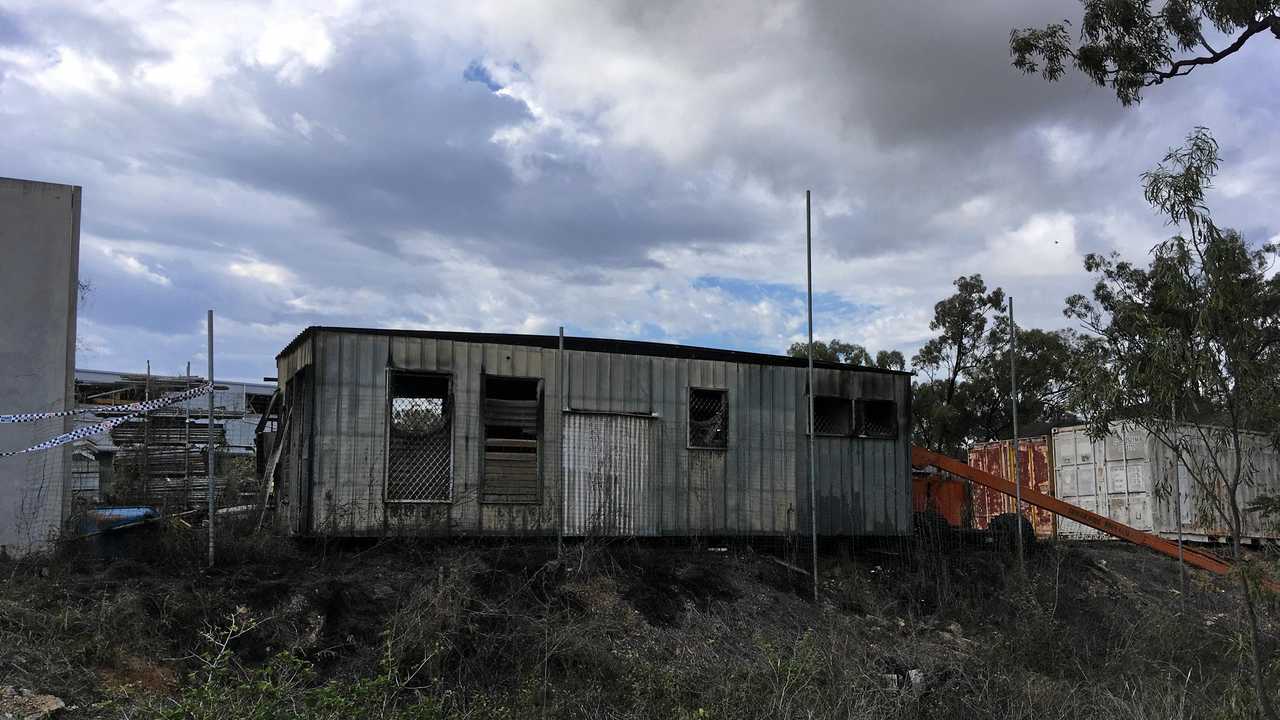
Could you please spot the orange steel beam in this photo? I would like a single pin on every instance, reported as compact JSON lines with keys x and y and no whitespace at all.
{"x":921,"y":457}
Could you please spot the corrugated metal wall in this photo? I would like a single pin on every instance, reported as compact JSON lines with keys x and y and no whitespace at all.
{"x":611,"y":488}
{"x":757,"y":485}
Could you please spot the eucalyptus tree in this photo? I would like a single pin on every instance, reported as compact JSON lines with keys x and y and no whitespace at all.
{"x":1188,"y":348}
{"x":1128,"y":45}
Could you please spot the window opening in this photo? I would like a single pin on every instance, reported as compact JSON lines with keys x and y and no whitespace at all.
{"x":878,"y":419}
{"x":832,"y":415}
{"x":512,"y":408}
{"x":708,"y":418}
{"x":420,"y":446}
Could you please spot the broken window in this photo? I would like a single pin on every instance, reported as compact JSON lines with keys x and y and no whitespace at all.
{"x":708,"y":418}
{"x":832,"y":415}
{"x":511,"y":411}
{"x":878,"y":418}
{"x":420,"y":446}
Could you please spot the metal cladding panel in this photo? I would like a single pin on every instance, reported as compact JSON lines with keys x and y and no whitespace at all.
{"x":609,"y":465}
{"x":1035,"y":472}
{"x":607,"y":382}
{"x":1079,"y":465}
{"x":751,"y":487}
{"x":987,"y":503}
{"x":350,"y":435}
{"x":863,"y":484}
{"x":1200,"y":516}
{"x":289,"y":364}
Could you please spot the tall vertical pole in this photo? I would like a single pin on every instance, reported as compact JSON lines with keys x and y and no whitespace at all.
{"x":146,"y":441}
{"x":1013,"y":399}
{"x":186,"y":440}
{"x":813,"y":495}
{"x":209,"y":439}
{"x":563,"y":448}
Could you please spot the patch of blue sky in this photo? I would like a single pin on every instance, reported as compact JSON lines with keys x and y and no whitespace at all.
{"x":824,"y":303}
{"x":477,"y":72}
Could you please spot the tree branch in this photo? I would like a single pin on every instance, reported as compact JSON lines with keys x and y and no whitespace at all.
{"x":1179,"y":68}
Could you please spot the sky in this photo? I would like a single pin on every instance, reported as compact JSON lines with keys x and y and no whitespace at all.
{"x":626,"y":170}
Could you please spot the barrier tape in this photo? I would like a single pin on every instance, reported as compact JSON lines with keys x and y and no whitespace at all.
{"x":132,"y":408}
{"x":77,"y":434}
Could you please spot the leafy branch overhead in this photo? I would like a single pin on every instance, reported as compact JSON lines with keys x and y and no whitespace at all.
{"x":1128,"y":46}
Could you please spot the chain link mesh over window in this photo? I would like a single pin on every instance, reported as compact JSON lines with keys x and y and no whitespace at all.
{"x":420,"y":456}
{"x":832,"y":415}
{"x":708,"y":418}
{"x":878,"y":419}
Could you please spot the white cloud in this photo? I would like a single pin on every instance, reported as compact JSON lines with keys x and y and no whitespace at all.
{"x":302,"y":125}
{"x":71,"y":71}
{"x":131,"y":265}
{"x":1044,"y":245}
{"x":262,"y":271}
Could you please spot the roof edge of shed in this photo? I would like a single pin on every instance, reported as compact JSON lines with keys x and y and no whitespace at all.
{"x":608,"y":345}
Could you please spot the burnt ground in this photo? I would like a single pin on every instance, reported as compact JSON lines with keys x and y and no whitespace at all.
{"x":401,"y":629}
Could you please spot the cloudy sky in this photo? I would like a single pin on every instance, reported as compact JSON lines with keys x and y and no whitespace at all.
{"x":630,"y":170}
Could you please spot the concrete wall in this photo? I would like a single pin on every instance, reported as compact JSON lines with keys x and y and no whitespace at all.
{"x":40,"y":247}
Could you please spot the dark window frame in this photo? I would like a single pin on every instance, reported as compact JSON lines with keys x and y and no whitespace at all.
{"x":448,"y":404}
{"x":540,"y":437}
{"x":851,"y":408}
{"x":692,"y":390}
{"x":861,"y":427}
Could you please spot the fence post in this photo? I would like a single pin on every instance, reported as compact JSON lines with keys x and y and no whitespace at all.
{"x":209,"y":439}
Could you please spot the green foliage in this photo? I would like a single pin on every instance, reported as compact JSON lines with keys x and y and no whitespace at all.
{"x":850,"y":353}
{"x":1189,"y":349}
{"x":942,"y":406}
{"x":1195,"y":335}
{"x":1127,"y":45}
{"x":963,"y":396}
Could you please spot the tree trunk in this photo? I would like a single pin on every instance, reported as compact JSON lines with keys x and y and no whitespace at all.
{"x":1246,"y":593}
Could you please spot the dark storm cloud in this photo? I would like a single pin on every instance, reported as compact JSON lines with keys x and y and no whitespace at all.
{"x":530,"y":153}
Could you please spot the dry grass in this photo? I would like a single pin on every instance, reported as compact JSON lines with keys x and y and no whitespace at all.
{"x":413,"y":630}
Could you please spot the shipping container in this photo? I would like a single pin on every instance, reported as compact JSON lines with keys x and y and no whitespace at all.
{"x":1131,"y":476}
{"x":1034,"y":472}
{"x":389,"y":432}
{"x":940,"y":494}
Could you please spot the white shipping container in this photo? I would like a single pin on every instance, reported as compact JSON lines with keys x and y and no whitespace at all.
{"x":1130,"y":477}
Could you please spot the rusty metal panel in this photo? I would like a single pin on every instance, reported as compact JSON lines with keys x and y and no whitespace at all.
{"x":1035,"y":471}
{"x":987,"y":503}
{"x":609,"y":462}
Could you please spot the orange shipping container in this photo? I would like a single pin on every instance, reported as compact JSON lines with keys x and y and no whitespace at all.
{"x":1035,"y":471}
{"x":940,"y":493}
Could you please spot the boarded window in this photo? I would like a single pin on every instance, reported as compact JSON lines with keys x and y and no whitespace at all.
{"x":510,"y":412}
{"x":877,"y":419}
{"x":420,"y":446}
{"x":832,"y":415}
{"x":708,"y":418}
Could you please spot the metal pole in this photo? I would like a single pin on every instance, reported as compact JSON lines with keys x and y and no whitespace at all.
{"x":146,"y":441}
{"x":1013,"y":398}
{"x":563,"y":449}
{"x":209,"y":439}
{"x":813,"y":497}
{"x":186,"y":440}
